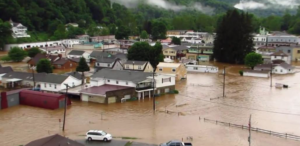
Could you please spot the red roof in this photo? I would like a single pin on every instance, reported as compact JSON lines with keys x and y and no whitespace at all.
{"x":44,"y":94}
{"x":101,"y":90}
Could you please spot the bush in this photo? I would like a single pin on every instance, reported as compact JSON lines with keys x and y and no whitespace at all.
{"x":5,"y":58}
{"x":133,"y":99}
{"x":241,"y":72}
{"x":174,"y":92}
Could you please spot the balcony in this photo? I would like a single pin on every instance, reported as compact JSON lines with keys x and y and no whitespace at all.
{"x":144,"y":86}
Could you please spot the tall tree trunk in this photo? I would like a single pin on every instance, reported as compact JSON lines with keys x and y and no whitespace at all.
{"x":82,"y":76}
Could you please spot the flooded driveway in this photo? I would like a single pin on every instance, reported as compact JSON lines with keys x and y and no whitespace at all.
{"x":272,"y":109}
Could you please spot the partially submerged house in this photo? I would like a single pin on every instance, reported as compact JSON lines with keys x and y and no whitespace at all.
{"x":144,"y":66}
{"x":177,"y":69}
{"x":54,"y":140}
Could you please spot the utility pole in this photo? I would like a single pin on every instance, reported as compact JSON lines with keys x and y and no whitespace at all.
{"x":153,"y":91}
{"x":224,"y":81}
{"x":66,"y":103}
{"x":271,"y":75}
{"x":249,"y":138}
{"x":33,"y":78}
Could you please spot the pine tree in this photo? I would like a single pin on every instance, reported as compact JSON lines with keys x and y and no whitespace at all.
{"x":82,"y":67}
{"x":234,"y":37}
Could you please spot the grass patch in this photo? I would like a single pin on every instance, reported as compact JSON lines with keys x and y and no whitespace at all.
{"x":129,"y":143}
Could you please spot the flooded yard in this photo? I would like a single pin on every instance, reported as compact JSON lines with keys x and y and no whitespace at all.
{"x":272,"y":109}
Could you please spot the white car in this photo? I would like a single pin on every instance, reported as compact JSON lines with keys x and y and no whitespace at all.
{"x":98,"y":135}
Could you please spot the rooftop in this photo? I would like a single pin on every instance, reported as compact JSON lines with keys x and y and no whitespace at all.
{"x":124,"y":75}
{"x":39,"y":77}
{"x":135,"y":62}
{"x":54,"y":140}
{"x":101,"y":90}
{"x":76,"y":52}
{"x":279,"y":53}
{"x":6,"y":69}
{"x":162,"y":64}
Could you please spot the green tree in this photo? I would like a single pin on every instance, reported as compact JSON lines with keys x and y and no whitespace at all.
{"x":17,"y":54}
{"x":122,"y":32}
{"x":234,"y":38}
{"x":252,"y":59}
{"x":5,"y":33}
{"x":176,"y":41}
{"x":142,"y":51}
{"x":33,"y":51}
{"x":82,"y":67}
{"x":60,"y":33}
{"x":44,"y":66}
{"x":144,"y":35}
{"x":159,"y":30}
{"x":73,"y":31}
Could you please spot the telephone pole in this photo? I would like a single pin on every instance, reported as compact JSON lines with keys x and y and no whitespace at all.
{"x":249,"y":138}
{"x":271,"y":75}
{"x":224,"y":81}
{"x":33,"y":78}
{"x":153,"y":91}
{"x":66,"y":103}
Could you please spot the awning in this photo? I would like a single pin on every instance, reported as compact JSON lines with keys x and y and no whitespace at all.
{"x":13,"y":80}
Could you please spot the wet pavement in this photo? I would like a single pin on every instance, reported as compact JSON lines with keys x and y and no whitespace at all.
{"x":272,"y":109}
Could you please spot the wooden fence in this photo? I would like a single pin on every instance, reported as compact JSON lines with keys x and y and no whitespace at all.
{"x":282,"y":135}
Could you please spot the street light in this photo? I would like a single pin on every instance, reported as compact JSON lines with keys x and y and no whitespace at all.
{"x":66,"y":103}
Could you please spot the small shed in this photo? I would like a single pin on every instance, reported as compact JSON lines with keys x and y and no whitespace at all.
{"x":43,"y":100}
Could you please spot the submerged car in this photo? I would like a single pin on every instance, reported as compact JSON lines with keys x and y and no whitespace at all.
{"x":98,"y":135}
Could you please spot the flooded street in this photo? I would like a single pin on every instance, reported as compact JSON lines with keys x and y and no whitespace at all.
{"x":272,"y":109}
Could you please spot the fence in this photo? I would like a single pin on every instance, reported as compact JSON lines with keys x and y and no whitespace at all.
{"x":281,"y":135}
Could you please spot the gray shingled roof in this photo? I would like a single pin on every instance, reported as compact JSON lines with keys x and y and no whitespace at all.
{"x":76,"y":52}
{"x":96,"y":54}
{"x":39,"y":77}
{"x":135,"y":62}
{"x":75,"y":75}
{"x":54,"y":140}
{"x":123,"y":75}
{"x":263,"y":67}
{"x":6,"y":69}
{"x":286,"y":66}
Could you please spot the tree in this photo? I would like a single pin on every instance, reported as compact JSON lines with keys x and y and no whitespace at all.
{"x":5,"y":33}
{"x":144,"y":35}
{"x":234,"y":38}
{"x":142,"y":51}
{"x":82,"y":67}
{"x":252,"y":59}
{"x":73,"y":31}
{"x":60,"y":32}
{"x":44,"y":66}
{"x":17,"y":54}
{"x":122,"y":32}
{"x":176,"y":41}
{"x":159,"y":30}
{"x":33,"y":51}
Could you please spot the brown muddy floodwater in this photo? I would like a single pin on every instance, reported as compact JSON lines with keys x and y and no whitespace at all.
{"x":272,"y":109}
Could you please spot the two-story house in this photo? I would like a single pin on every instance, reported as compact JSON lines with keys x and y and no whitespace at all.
{"x":18,"y":30}
{"x":280,"y":56}
{"x":175,"y":51}
{"x":200,"y":52}
{"x":177,"y":69}
{"x":79,"y":54}
{"x":44,"y":81}
{"x":266,"y":52}
{"x":282,"y":40}
{"x":126,"y":84}
{"x":144,"y":66}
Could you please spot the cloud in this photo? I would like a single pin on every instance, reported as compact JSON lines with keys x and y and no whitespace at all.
{"x":165,"y":5}
{"x":266,"y":4}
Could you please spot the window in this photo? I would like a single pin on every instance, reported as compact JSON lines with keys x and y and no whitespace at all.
{"x":166,"y":51}
{"x":126,"y":83}
{"x":160,"y":69}
{"x":127,"y":66}
{"x":281,"y":70}
{"x":289,"y":51}
{"x":45,"y":85}
{"x":108,"y":65}
{"x":195,"y":68}
{"x":173,"y":70}
{"x":54,"y":86}
{"x":108,"y":80}
{"x":298,"y":51}
{"x":139,"y":67}
{"x":117,"y":82}
{"x":49,"y":85}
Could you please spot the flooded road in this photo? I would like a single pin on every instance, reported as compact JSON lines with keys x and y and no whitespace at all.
{"x":272,"y":109}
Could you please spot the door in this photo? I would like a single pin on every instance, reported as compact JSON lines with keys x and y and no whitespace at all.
{"x":62,"y":103}
{"x":111,"y":100}
{"x":100,"y":136}
{"x":167,"y":90}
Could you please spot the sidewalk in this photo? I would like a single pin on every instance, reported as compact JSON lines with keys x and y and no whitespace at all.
{"x":112,"y":143}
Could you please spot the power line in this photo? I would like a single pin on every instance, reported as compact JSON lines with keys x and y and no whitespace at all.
{"x":224,"y":104}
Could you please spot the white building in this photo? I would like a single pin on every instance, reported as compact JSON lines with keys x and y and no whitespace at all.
{"x":46,"y":82}
{"x":54,"y":50}
{"x":281,"y":68}
{"x":18,"y":30}
{"x":79,"y":54}
{"x":141,"y":81}
{"x":280,"y":56}
{"x":256,"y":73}
{"x":35,"y":44}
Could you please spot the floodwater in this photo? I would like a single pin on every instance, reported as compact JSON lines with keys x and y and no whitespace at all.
{"x":271,"y":109}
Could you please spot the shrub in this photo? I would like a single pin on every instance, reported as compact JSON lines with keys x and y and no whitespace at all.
{"x":5,"y":58}
{"x":174,"y":92}
{"x":133,"y":99}
{"x":241,"y":72}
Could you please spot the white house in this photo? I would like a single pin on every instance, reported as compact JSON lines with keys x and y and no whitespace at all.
{"x":44,"y":81}
{"x":277,"y":56}
{"x":141,"y":81}
{"x":18,"y":30}
{"x":35,"y":44}
{"x":281,"y":68}
{"x":79,"y":54}
{"x":68,"y":43}
{"x":54,"y":50}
